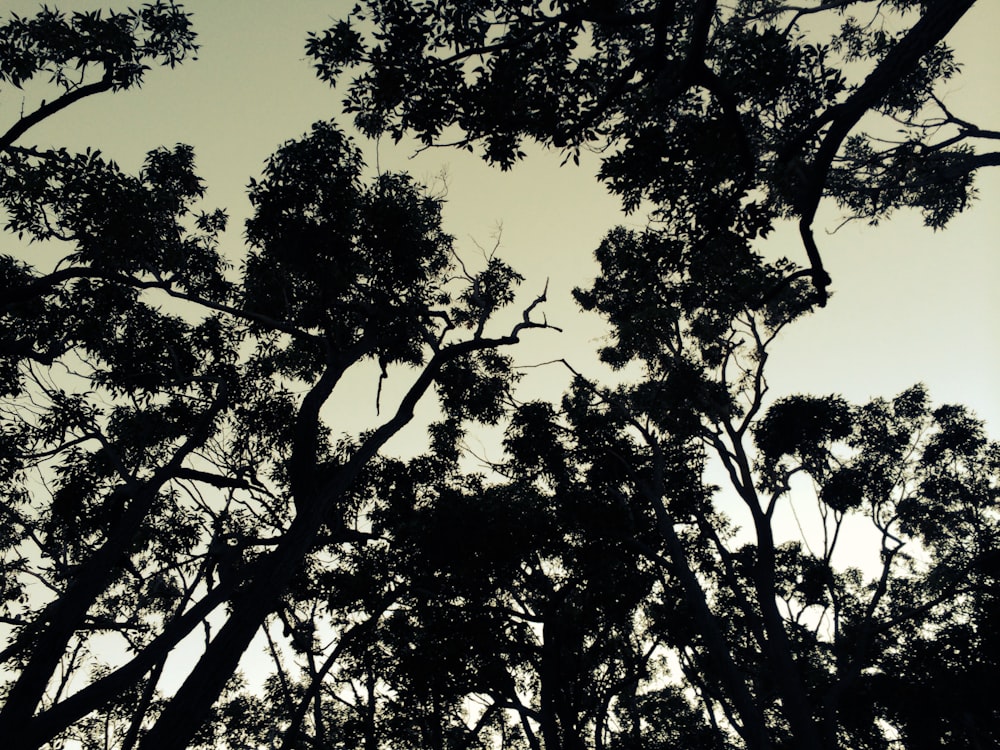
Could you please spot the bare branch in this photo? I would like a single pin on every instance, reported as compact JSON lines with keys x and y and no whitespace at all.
{"x":47,"y":110}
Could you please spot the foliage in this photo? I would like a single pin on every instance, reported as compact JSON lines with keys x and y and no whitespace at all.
{"x":744,"y":112}
{"x":172,"y":462}
{"x":164,"y":448}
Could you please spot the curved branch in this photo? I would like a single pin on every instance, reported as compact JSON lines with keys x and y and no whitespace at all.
{"x":925,"y":34}
{"x":47,"y":110}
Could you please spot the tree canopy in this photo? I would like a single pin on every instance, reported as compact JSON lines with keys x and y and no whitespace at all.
{"x":173,"y":472}
{"x":741,"y":112}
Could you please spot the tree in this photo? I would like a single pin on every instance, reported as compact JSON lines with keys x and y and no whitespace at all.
{"x":163,"y":460}
{"x":170,"y":463}
{"x":747,"y":112}
{"x":600,"y":594}
{"x":725,"y":119}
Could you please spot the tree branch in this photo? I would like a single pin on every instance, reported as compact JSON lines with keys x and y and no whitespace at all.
{"x":15,"y":295}
{"x":65,"y":615}
{"x":933,"y":26}
{"x":47,"y":110}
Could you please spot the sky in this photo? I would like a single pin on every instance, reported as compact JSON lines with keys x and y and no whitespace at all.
{"x":910,"y":305}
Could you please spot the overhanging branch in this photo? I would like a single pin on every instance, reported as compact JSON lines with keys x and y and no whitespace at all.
{"x":47,"y":110}
{"x":925,"y":34}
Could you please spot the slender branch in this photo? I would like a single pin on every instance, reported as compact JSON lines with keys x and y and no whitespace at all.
{"x":806,"y":10}
{"x":14,"y":295}
{"x":216,"y":480}
{"x":291,"y":734}
{"x":47,"y":110}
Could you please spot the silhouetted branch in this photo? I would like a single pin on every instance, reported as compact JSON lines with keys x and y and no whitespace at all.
{"x":40,"y":286}
{"x":925,"y":34}
{"x":47,"y":110}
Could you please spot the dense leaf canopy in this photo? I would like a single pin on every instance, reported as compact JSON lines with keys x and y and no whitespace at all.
{"x":175,"y":482}
{"x":716,"y":113}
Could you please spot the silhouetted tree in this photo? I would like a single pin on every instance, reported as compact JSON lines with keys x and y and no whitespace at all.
{"x":171,"y":462}
{"x":716,"y":113}
{"x":166,"y":464}
{"x":600,"y":593}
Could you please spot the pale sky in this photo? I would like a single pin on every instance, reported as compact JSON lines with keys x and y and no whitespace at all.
{"x":910,"y":304}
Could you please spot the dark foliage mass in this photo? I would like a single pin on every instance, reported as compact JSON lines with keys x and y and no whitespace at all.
{"x":172,"y":472}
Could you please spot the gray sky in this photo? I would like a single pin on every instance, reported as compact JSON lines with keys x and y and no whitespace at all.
{"x":910,"y":304}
